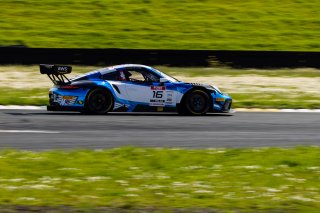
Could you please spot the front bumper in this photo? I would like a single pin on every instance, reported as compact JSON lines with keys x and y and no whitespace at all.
{"x":226,"y":107}
{"x":221,"y":102}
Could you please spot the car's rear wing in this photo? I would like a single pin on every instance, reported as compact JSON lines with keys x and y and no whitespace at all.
{"x":56,"y":73}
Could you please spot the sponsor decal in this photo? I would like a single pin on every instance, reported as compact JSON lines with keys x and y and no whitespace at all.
{"x":120,"y":107}
{"x":220,"y":99}
{"x":67,"y":100}
{"x":158,"y":88}
{"x":169,"y":97}
{"x":157,"y":102}
{"x":62,"y":70}
{"x":67,"y":97}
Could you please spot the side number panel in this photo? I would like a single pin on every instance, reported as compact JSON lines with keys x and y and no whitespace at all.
{"x":161,"y":96}
{"x":151,"y":95}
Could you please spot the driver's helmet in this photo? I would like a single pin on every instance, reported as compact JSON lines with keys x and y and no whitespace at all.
{"x":124,"y":75}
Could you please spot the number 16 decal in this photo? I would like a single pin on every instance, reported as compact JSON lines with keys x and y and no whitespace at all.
{"x":157,"y":94}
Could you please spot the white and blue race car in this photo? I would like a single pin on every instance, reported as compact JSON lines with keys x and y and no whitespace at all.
{"x":130,"y":88}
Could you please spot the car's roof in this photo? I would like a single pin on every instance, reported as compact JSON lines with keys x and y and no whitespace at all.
{"x":113,"y":68}
{"x":130,"y":65}
{"x":109,"y":69}
{"x":122,"y":66}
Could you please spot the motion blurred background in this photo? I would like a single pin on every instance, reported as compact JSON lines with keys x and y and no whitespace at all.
{"x":254,"y":180}
{"x":154,"y":24}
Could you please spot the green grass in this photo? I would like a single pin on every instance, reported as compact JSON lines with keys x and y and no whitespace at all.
{"x":11,"y":96}
{"x":246,"y":180}
{"x":278,"y":100}
{"x":166,"y":24}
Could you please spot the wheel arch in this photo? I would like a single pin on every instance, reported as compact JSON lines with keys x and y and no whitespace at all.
{"x":94,"y":88}
{"x":197,"y":88}
{"x":98,"y":87}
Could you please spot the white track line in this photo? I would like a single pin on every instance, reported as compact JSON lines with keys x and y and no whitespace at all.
{"x":28,"y":131}
{"x":275,"y":110}
{"x":23,"y":107}
{"x":17,"y":107}
{"x":300,"y":110}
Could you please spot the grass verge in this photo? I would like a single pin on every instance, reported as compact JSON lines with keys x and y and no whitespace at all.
{"x":37,"y":96}
{"x":166,"y":24}
{"x":277,"y":100}
{"x":254,"y":180}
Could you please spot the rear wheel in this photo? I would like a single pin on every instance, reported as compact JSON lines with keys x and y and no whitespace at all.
{"x":99,"y":101}
{"x":197,"y":102}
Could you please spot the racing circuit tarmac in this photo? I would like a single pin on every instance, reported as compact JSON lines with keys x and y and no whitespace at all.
{"x":40,"y":130}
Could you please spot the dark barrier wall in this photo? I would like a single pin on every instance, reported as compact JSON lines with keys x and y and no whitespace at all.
{"x":101,"y":57}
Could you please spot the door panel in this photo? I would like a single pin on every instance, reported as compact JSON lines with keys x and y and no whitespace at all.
{"x":152,"y":94}
{"x":120,"y":89}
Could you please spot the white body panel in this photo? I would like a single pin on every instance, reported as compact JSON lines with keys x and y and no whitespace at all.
{"x":151,"y":95}
{"x":122,"y":87}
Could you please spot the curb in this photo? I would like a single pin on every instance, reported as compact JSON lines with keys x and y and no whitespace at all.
{"x":18,"y":107}
{"x":23,"y":107}
{"x":256,"y":110}
{"x":275,"y":110}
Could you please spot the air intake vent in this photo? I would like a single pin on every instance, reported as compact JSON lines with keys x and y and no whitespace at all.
{"x":116,"y":88}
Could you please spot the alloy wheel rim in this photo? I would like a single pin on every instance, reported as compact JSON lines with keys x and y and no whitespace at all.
{"x":197,"y":103}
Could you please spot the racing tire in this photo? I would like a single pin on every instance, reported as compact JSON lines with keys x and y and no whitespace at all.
{"x":99,"y":101}
{"x":196,"y":102}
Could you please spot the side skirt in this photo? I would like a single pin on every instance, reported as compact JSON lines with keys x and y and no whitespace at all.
{"x":145,"y":108}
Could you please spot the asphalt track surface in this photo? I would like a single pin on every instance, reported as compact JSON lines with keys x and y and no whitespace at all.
{"x":42,"y":130}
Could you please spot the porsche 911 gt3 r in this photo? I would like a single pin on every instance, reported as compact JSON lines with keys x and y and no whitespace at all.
{"x":130,"y":88}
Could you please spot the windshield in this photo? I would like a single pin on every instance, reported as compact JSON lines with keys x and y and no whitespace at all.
{"x":170,"y":78}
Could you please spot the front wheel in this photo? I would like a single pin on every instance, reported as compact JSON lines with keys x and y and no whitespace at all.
{"x":197,"y":102}
{"x":99,"y":101}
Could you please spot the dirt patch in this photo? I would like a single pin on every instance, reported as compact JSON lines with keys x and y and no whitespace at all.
{"x":259,"y":84}
{"x":21,"y":77}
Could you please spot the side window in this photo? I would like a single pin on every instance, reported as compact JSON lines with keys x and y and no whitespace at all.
{"x":150,"y":77}
{"x":112,"y":76}
{"x":140,"y":76}
{"x":135,"y":76}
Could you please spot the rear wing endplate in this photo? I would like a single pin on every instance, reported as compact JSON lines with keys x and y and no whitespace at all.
{"x":56,"y":73}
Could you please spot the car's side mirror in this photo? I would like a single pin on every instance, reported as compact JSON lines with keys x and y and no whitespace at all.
{"x":163,"y":80}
